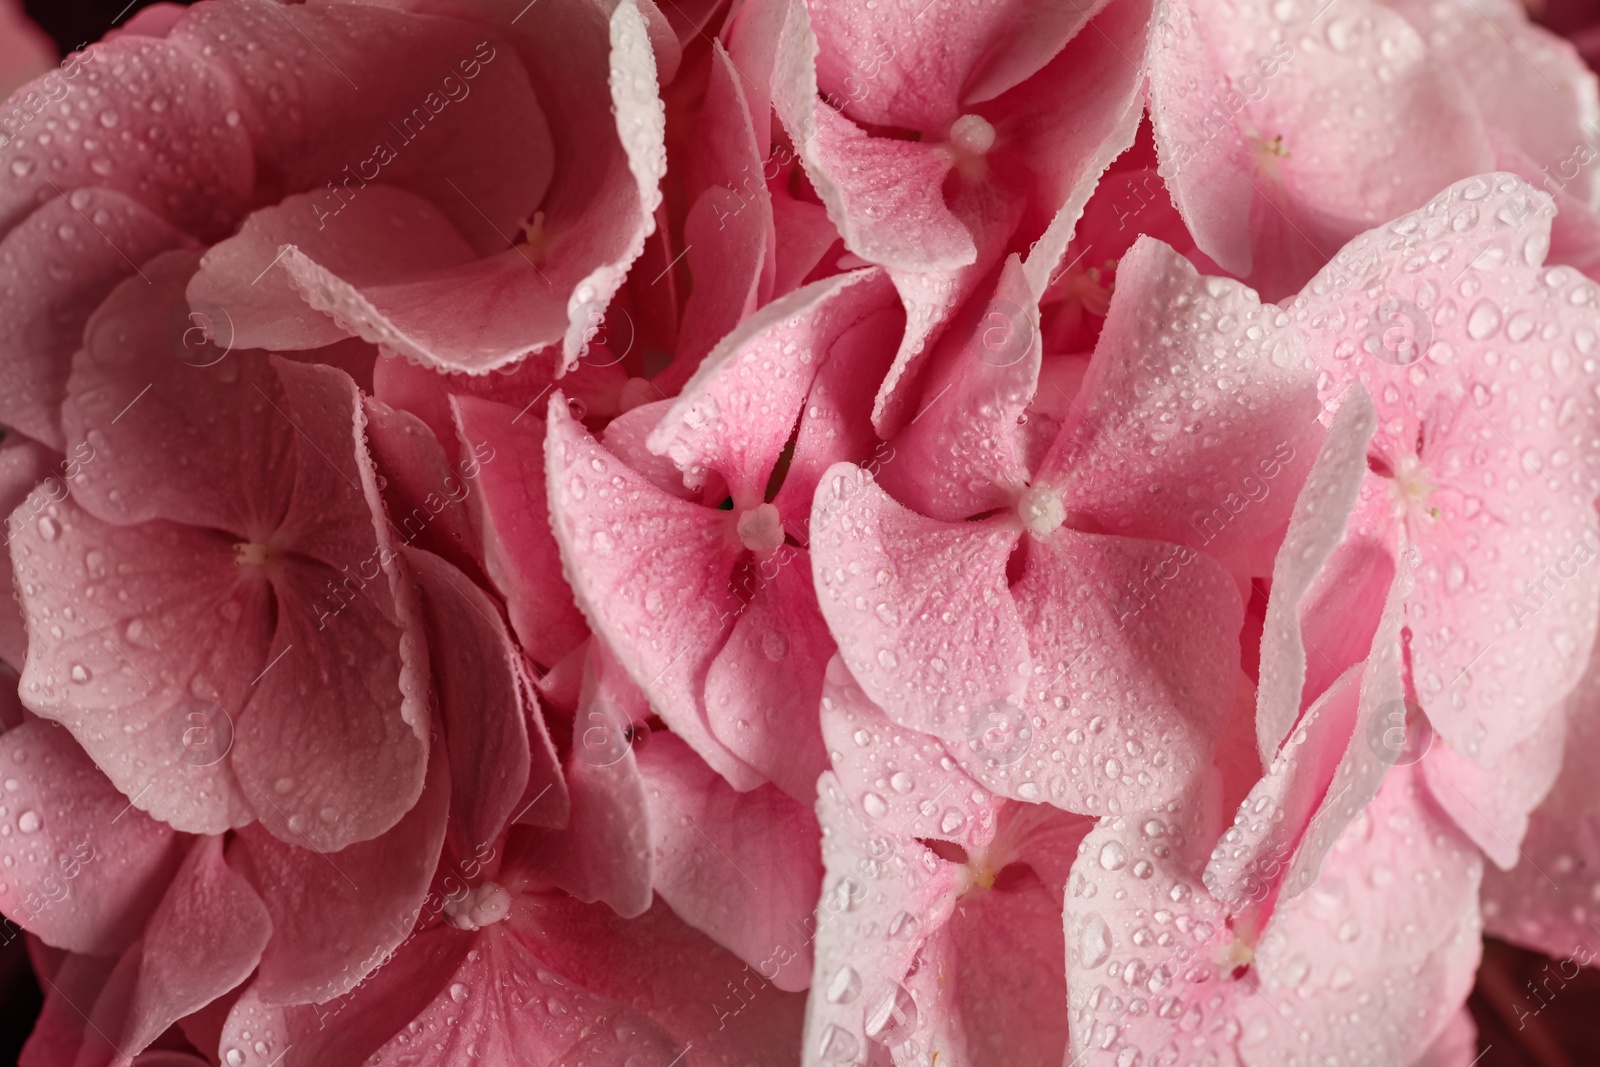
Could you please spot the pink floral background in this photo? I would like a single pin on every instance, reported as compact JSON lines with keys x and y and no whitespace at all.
{"x":827,"y":532}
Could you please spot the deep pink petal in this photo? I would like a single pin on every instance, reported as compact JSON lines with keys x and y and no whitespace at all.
{"x":336,"y":915}
{"x":27,"y":487}
{"x":56,"y":267}
{"x":137,"y":385}
{"x":385,"y":234}
{"x":203,"y":940}
{"x":83,"y":871}
{"x":519,"y":550}
{"x":434,"y":94}
{"x":149,"y":89}
{"x":919,"y":64}
{"x":425,"y":498}
{"x":689,"y":985}
{"x":479,"y":691}
{"x":126,"y":675}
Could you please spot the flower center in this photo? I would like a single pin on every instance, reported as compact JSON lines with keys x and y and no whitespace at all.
{"x":972,"y":135}
{"x":1041,"y":511}
{"x":253,"y":553}
{"x":482,"y":906}
{"x":1412,"y":486}
{"x":760,"y":529}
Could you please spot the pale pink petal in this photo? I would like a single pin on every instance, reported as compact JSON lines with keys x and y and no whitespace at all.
{"x":921,"y":609}
{"x":1546,"y":902}
{"x":1492,"y":804}
{"x":1171,"y":438}
{"x":1246,"y":865}
{"x":992,"y":987}
{"x":1306,"y":986}
{"x":625,"y":437}
{"x":764,"y":687}
{"x":1133,"y":664}
{"x":1267,"y":186}
{"x":1529,"y":85}
{"x":737,"y":412}
{"x":964,"y":452}
{"x":882,"y":898}
{"x":83,"y":871}
{"x":742,"y":867}
{"x":1323,"y":508}
{"x":904,"y":779}
{"x":651,"y":573}
{"x":1493,"y":486}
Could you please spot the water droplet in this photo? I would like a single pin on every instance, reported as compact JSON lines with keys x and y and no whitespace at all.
{"x":845,"y":986}
{"x":29,"y":822}
{"x":1113,"y":857}
{"x":837,"y":1045}
{"x":901,"y":782}
{"x":49,"y":528}
{"x":1094,"y":943}
{"x":875,"y":805}
{"x":458,"y":992}
{"x":79,"y":673}
{"x":1483,"y":321}
{"x":234,"y":1057}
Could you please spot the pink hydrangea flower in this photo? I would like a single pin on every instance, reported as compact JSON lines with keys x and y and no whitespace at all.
{"x":795,"y":532}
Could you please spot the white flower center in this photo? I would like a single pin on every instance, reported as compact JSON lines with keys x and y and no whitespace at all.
{"x":760,"y":528}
